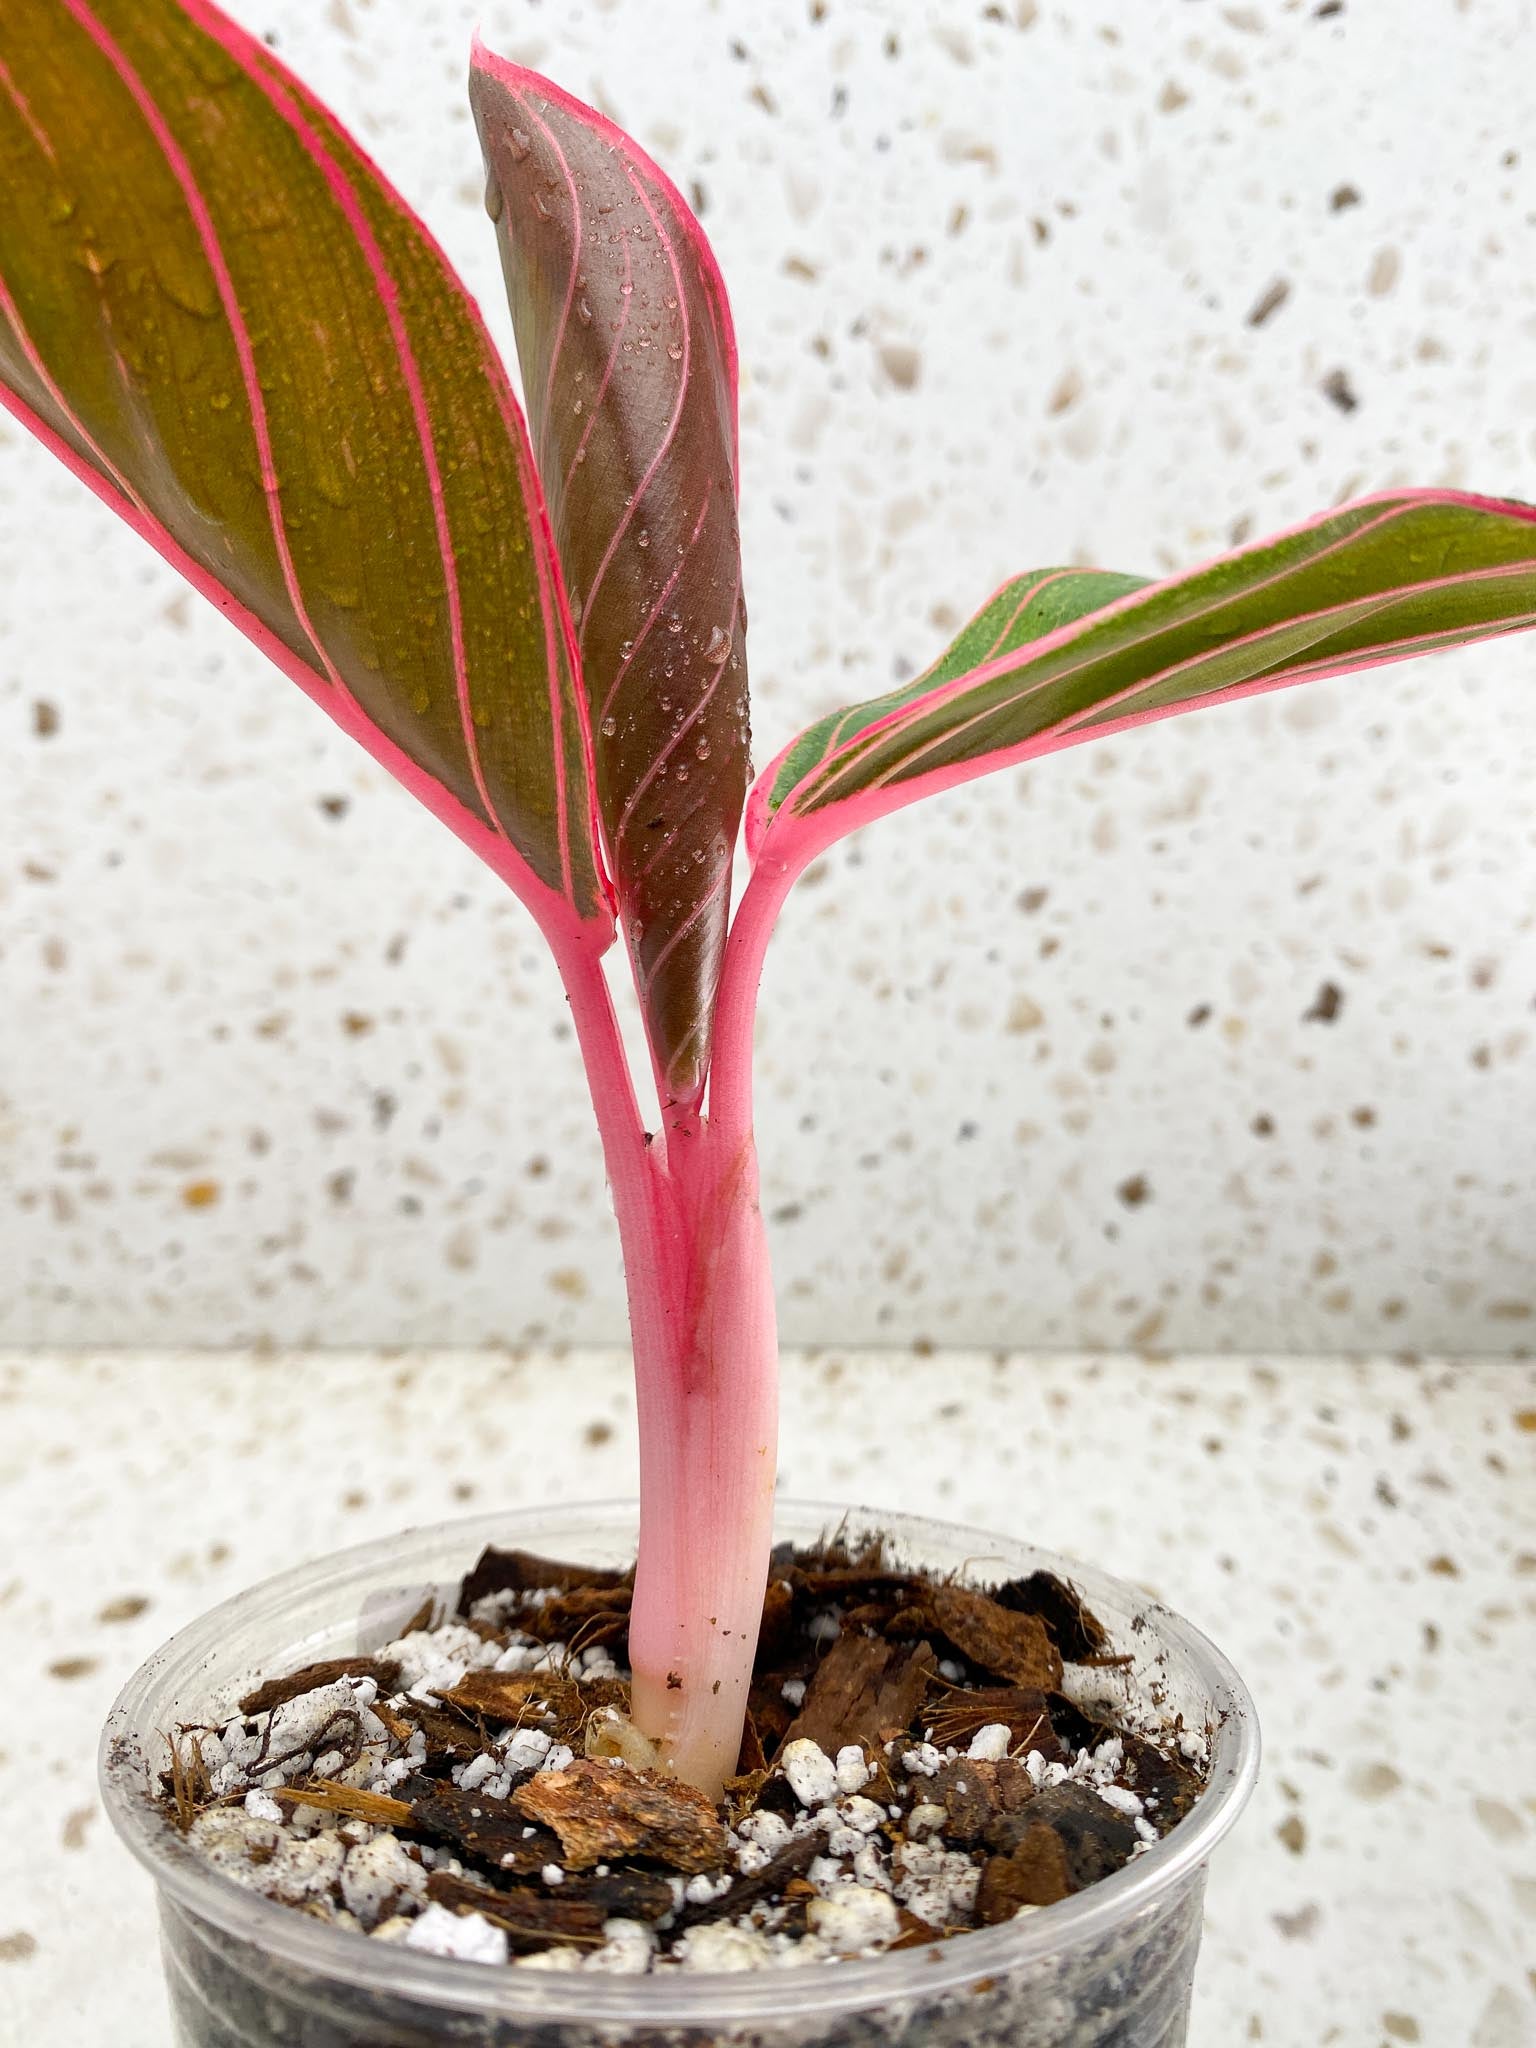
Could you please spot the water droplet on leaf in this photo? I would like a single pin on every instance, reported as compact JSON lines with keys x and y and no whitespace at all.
{"x":701,"y":751}
{"x":608,"y":728}
{"x":519,"y":145}
{"x":541,"y":206}
{"x":719,"y":646}
{"x":583,"y":312}
{"x":675,"y":351}
{"x":643,"y":538}
{"x":493,"y":198}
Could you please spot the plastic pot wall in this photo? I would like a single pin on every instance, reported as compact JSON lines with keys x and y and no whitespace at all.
{"x":1111,"y":1968}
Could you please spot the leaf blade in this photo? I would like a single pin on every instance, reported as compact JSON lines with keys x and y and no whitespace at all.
{"x":1376,"y":581}
{"x":230,"y":309}
{"x":629,"y":367}
{"x":1024,"y":608}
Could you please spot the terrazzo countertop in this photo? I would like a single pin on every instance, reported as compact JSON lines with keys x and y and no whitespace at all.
{"x":1360,"y":1536}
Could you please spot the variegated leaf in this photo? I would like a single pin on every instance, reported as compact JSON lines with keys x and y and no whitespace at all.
{"x":629,"y":375}
{"x":214,"y":308}
{"x":1063,"y":655}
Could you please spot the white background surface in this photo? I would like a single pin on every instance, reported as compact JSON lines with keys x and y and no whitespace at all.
{"x":992,"y":269}
{"x":1358,"y":1536}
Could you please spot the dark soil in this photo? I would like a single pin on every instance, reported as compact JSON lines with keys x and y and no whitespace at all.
{"x":889,"y":1672}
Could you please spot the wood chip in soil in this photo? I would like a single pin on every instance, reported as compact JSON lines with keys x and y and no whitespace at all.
{"x":588,"y":1615}
{"x":514,"y":1696}
{"x":975,"y":1794}
{"x":1017,"y":1647}
{"x":354,"y":1802}
{"x":1076,"y":1632}
{"x":864,"y":1691}
{"x":1024,"y":1712}
{"x":1096,"y":1840}
{"x":277,"y":1692}
{"x":524,"y":1571}
{"x":575,"y":1911}
{"x":532,"y":1920}
{"x":450,"y":1737}
{"x":1167,"y":1779}
{"x":1033,"y":1873}
{"x":792,"y":1861}
{"x":483,"y":1827}
{"x":603,"y":1811}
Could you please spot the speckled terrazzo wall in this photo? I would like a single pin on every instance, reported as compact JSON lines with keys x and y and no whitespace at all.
{"x":1219,"y":1035}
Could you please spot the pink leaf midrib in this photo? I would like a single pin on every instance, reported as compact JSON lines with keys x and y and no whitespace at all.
{"x":979,"y":677}
{"x":762,"y":812}
{"x":554,"y":913}
{"x":207,"y":233}
{"x":829,"y":767}
{"x":410,"y":374}
{"x":706,"y":901}
{"x":578,"y":236}
{"x":1326,"y":618}
{"x":12,"y":315}
{"x":284,"y":92}
{"x":627,"y":516}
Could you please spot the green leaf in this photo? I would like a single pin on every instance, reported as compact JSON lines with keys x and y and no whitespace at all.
{"x":214,"y":307}
{"x":1025,"y":609}
{"x":1377,"y":581}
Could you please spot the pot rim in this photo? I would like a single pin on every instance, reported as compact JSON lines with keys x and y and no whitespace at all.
{"x":337,"y":1955}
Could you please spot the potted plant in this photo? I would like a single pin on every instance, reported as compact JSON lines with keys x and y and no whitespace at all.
{"x":247,"y":346}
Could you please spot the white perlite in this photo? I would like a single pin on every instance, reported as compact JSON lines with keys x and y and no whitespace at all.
{"x":469,"y":1936}
{"x":471,"y":1776}
{"x":853,"y":1919}
{"x":627,"y":1951}
{"x":362,"y":1877}
{"x":922,"y":1760}
{"x":525,"y":1749}
{"x":991,"y":1743}
{"x":284,"y":1750}
{"x":721,"y":1945}
{"x":379,"y":1877}
{"x":267,"y":1858}
{"x":854,"y":1771}
{"x":935,"y":1883}
{"x":811,"y":1772}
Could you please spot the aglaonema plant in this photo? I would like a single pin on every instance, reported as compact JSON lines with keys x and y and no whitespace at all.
{"x":219,"y":314}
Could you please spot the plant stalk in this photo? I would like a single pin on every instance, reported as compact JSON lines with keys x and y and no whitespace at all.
{"x":705,"y":1343}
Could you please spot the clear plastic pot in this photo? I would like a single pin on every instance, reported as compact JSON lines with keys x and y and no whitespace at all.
{"x":1109,"y":1968}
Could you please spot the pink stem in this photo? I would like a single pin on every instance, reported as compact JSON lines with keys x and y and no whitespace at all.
{"x":730,"y":1082}
{"x":706,"y":1359}
{"x":706,"y":1378}
{"x":613,"y":1094}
